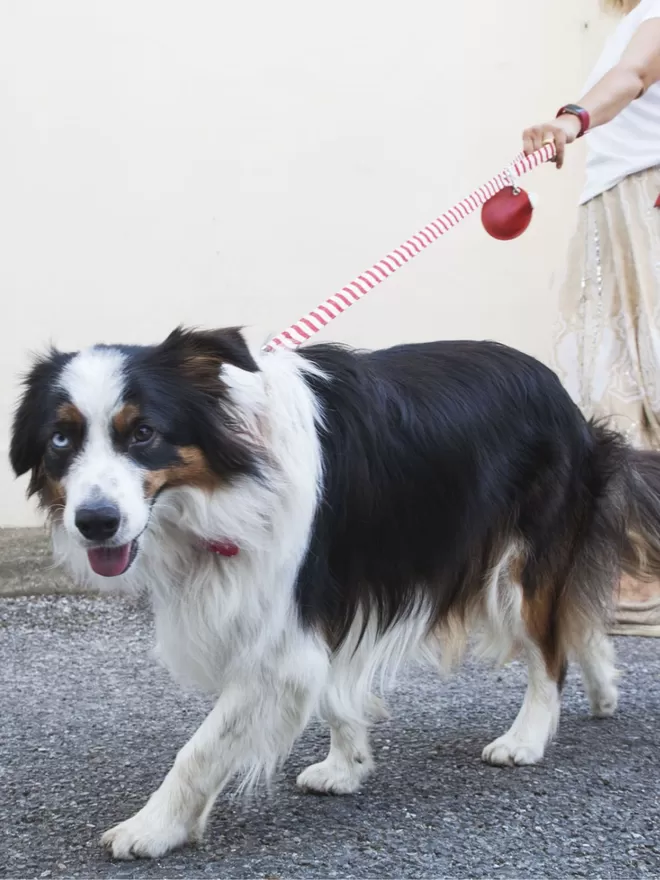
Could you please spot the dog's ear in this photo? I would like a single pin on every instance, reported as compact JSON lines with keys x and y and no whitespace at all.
{"x":197,"y":357}
{"x":200,"y":354}
{"x":27,"y":434}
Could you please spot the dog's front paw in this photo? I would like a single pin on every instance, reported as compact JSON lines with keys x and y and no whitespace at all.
{"x":334,"y":776}
{"x":508,"y":751}
{"x":144,"y":836}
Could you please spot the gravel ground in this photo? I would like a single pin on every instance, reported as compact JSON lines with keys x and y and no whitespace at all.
{"x":91,"y":724}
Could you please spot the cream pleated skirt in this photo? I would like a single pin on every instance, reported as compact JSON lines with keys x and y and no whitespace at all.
{"x":607,"y":340}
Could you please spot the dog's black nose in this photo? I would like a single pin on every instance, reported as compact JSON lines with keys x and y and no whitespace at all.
{"x":98,"y":521}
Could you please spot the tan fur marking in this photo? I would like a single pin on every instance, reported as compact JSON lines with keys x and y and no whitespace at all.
{"x":542,"y":621}
{"x":154,"y":481}
{"x":124,"y":420}
{"x":202,"y":365}
{"x":204,"y":371}
{"x":541,"y":618}
{"x":53,"y":497}
{"x":516,"y":568}
{"x":192,"y":470}
{"x":69,"y":414}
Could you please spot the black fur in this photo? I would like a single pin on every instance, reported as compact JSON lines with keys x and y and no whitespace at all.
{"x":177,"y":386}
{"x":436,"y":458}
{"x":34,"y":419}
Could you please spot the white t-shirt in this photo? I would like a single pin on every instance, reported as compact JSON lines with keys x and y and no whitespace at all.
{"x":631,"y":141}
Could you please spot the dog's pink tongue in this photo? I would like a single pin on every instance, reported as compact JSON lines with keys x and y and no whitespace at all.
{"x":109,"y":561}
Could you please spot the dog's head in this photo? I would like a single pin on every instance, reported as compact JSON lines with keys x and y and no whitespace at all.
{"x":104,"y":432}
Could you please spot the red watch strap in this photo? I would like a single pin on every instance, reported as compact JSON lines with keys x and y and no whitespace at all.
{"x":580,"y":112}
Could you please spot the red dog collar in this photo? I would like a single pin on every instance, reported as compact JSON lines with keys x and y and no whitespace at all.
{"x":221,"y":548}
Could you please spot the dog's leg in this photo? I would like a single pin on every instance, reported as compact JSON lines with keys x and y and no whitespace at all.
{"x":596,"y":657}
{"x":525,"y":741}
{"x":348,"y":763}
{"x":349,"y":707}
{"x":376,"y":709}
{"x":537,"y":720}
{"x":248,"y":730}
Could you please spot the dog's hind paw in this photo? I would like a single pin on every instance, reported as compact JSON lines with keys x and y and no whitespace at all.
{"x":604,"y":702}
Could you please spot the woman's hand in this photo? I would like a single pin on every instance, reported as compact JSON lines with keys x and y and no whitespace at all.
{"x":561,"y":131}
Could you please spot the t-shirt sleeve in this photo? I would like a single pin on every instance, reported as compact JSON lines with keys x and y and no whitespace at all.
{"x":653,"y":11}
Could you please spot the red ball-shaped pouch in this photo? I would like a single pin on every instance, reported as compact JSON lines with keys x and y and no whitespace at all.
{"x":508,"y":213}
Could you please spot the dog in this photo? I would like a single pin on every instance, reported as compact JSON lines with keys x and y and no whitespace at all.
{"x":304,"y":522}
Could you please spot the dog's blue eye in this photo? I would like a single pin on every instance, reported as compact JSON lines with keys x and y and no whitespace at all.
{"x":60,"y":441}
{"x":143,"y":434}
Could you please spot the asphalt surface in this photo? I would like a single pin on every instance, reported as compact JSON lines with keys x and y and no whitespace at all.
{"x":91,"y":724}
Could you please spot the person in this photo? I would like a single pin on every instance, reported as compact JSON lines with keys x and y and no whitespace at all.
{"x":606,"y":347}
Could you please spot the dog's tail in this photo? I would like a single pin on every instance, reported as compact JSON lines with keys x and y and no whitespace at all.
{"x":641,"y":551}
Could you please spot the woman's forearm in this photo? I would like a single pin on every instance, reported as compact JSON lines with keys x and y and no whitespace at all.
{"x":637,"y":71}
{"x":612,"y":94}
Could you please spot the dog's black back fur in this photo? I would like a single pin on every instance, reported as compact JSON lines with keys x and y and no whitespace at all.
{"x":436,"y":458}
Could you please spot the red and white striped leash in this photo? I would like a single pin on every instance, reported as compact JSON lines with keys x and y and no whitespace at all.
{"x":335,"y":305}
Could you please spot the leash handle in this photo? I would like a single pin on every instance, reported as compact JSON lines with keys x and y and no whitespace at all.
{"x":336,"y":305}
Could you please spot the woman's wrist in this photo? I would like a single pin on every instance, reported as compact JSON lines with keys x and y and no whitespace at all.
{"x":579,"y":114}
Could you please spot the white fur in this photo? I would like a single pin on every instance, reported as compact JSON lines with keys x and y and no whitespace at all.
{"x":596,"y":656}
{"x":231,"y":626}
{"x":537,"y":720}
{"x":94,"y":381}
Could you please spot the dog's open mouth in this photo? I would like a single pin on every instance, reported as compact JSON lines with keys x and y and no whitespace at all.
{"x":112,"y":561}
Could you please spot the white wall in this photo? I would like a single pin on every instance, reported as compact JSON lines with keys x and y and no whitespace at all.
{"x":202,"y":161}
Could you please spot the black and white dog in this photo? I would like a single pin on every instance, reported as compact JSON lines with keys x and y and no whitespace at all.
{"x":304,"y":522}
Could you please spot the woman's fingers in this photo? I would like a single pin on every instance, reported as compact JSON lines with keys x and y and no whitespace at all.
{"x":533,"y":139}
{"x":560,"y":140}
{"x":560,"y":133}
{"x":528,"y":142}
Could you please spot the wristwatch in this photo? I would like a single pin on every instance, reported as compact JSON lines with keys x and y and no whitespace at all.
{"x":580,"y":112}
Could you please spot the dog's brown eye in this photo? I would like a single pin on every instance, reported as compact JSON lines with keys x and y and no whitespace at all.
{"x":142,"y":434}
